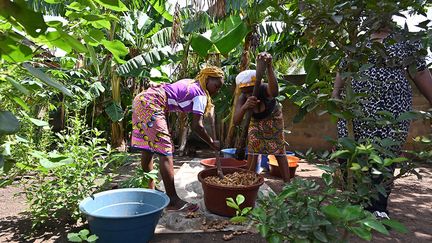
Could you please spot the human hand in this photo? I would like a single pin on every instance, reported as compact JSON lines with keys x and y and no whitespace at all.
{"x":250,"y":103}
{"x":269,"y":59}
{"x":265,"y":57}
{"x":261,"y":64}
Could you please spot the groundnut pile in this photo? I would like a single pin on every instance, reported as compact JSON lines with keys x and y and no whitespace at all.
{"x":236,"y":179}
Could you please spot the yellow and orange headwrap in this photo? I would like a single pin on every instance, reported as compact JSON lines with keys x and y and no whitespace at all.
{"x":246,"y":78}
{"x":209,"y":71}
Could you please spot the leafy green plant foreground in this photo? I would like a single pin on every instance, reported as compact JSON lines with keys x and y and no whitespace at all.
{"x":82,"y":236}
{"x":141,"y":179}
{"x":63,"y":177}
{"x":307,"y":212}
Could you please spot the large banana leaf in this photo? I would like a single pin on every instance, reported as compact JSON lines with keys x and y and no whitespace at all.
{"x":162,"y":37}
{"x":196,"y":23}
{"x":46,"y":79}
{"x":32,"y":22}
{"x":159,"y":6}
{"x":94,"y":37}
{"x":225,"y":26}
{"x":270,"y":28}
{"x":232,"y":38}
{"x":9,"y":124}
{"x":226,"y":36}
{"x":200,"y":44}
{"x":11,"y":51}
{"x":150,"y":28}
{"x":62,"y":40}
{"x":136,"y":66}
{"x":117,"y":48}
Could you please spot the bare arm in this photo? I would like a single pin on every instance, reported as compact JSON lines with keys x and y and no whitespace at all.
{"x":338,"y":86}
{"x":423,"y":81}
{"x":273,"y":87}
{"x":198,"y":127}
{"x":213,"y":123}
{"x":243,"y":105}
{"x":239,"y":112}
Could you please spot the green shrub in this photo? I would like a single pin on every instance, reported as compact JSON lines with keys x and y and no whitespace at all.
{"x":306,"y":212}
{"x":140,"y":179}
{"x":66,"y":176}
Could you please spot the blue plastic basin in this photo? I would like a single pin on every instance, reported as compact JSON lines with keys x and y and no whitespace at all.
{"x":230,"y":152}
{"x":124,"y":215}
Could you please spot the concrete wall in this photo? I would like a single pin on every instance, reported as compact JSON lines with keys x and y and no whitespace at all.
{"x":311,"y":131}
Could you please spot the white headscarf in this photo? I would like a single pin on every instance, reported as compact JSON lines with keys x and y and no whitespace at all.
{"x":246,"y":78}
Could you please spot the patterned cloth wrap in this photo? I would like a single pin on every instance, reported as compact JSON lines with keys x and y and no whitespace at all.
{"x":150,"y":108}
{"x":149,"y":125}
{"x":266,"y":135}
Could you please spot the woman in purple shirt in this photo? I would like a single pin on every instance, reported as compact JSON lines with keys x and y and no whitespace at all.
{"x":149,"y":123}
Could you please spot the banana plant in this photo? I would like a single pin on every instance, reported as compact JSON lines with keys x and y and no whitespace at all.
{"x":148,"y":36}
{"x":85,"y":29}
{"x":19,"y":28}
{"x":225,"y":36}
{"x":256,"y":13}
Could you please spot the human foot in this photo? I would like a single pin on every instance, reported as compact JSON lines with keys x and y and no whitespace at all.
{"x":180,"y":205}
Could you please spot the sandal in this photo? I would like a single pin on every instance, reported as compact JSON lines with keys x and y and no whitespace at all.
{"x":187,"y":207}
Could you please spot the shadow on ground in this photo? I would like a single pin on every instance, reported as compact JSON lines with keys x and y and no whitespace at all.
{"x":410,"y":204}
{"x":19,"y":229}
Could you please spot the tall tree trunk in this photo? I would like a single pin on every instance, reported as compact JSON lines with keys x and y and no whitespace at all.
{"x":117,"y":130}
{"x":244,"y":64}
{"x":184,"y":126}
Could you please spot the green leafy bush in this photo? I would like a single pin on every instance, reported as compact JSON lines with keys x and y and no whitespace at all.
{"x":140,"y":179}
{"x":306,"y":212}
{"x":67,"y":175}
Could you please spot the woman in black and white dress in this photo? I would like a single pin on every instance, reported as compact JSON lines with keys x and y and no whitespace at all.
{"x":387,"y":88}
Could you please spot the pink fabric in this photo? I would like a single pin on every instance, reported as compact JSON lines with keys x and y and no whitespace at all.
{"x":149,"y":126}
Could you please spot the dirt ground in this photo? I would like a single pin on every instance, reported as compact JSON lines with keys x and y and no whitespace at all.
{"x":410,"y":203}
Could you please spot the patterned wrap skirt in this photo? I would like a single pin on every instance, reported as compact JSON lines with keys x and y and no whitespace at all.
{"x":266,"y":136}
{"x":149,"y":122}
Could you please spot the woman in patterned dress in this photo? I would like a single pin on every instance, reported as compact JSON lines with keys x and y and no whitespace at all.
{"x":265,"y":134}
{"x":150,"y":129}
{"x":387,"y":89}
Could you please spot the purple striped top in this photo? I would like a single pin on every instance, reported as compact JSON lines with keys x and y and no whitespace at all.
{"x":184,"y":96}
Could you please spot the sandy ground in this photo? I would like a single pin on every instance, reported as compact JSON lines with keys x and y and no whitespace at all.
{"x":410,"y":203}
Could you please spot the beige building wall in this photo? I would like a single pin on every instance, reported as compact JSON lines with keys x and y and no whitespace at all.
{"x":310,"y":132}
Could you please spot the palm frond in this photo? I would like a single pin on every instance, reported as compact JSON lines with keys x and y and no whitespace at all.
{"x":47,"y":8}
{"x":162,"y":37}
{"x":137,"y":66}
